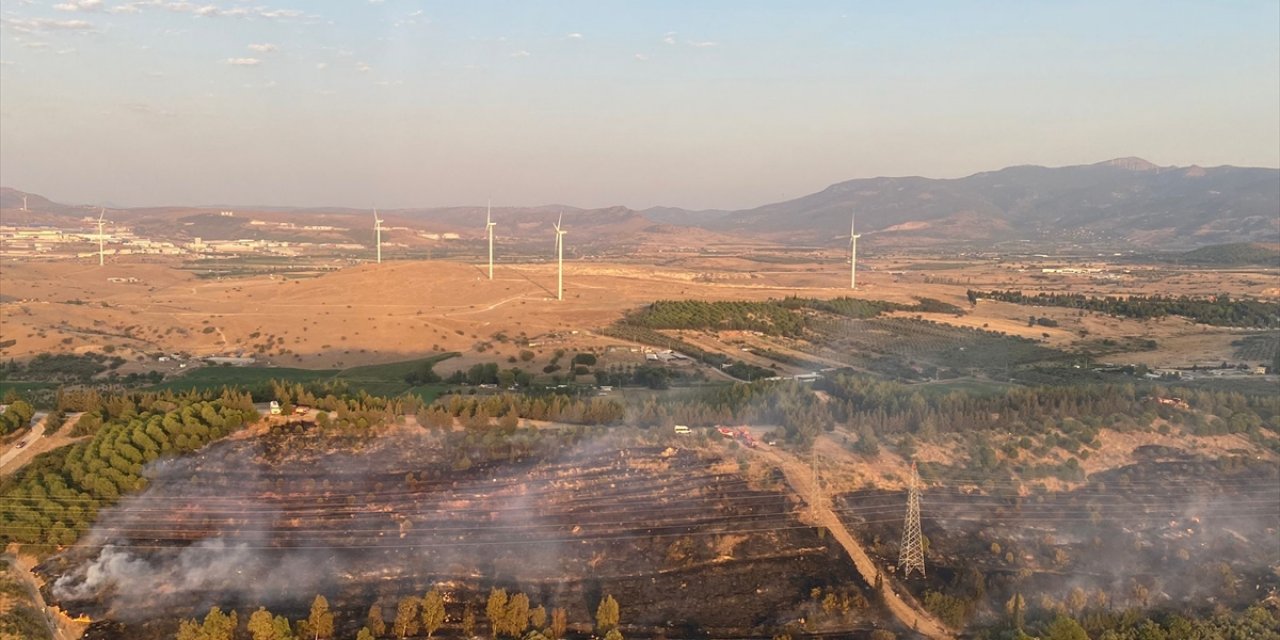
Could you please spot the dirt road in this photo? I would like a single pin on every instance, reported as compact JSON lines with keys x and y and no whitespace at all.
{"x":801,"y":480}
{"x":60,"y":626}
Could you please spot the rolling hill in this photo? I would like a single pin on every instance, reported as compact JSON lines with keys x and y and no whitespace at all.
{"x":1126,"y":201}
{"x":1122,"y":203}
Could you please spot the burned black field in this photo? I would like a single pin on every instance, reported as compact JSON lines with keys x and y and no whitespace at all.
{"x":676,"y":536}
{"x":1171,"y":531}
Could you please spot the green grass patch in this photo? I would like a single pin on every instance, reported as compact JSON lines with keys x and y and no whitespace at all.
{"x":977,"y":388}
{"x":216,"y":377}
{"x":936,"y":266}
{"x":23,"y":388}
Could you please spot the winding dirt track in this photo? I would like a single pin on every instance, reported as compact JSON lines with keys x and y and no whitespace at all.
{"x":56,"y":621}
{"x":801,"y":480}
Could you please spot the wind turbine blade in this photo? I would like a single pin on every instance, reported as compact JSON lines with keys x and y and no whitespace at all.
{"x":559,"y":221}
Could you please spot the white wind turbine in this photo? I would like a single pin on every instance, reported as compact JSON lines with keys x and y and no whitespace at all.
{"x":102,"y":237}
{"x":377,"y":230}
{"x":488,"y":225}
{"x":853,"y":253}
{"x":560,"y":258}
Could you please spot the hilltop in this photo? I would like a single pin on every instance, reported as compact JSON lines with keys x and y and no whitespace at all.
{"x":1121,"y":203}
{"x":1127,"y":201}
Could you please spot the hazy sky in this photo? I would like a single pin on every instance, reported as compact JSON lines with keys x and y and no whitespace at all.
{"x":594,"y":103}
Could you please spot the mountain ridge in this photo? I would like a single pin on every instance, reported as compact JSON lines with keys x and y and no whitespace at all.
{"x":1126,"y":201}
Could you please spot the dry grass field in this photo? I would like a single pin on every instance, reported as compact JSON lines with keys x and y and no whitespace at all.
{"x":380,"y":313}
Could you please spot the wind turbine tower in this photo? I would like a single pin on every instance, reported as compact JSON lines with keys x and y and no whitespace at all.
{"x":24,"y":203}
{"x":102,"y":237}
{"x":853,"y":253}
{"x":488,"y":225}
{"x":377,"y":230}
{"x":560,"y":258}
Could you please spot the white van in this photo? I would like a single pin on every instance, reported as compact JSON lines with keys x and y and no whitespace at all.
{"x":681,"y":429}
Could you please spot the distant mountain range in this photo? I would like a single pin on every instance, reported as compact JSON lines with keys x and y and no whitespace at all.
{"x":1127,"y":201}
{"x":1122,"y":203}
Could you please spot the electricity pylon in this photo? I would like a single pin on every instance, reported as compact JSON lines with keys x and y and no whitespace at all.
{"x":911,"y":555}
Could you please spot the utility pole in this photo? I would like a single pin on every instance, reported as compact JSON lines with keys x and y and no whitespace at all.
{"x":815,"y":492}
{"x":911,"y":555}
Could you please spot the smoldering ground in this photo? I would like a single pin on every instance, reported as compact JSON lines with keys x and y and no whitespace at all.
{"x":272,"y":521}
{"x":264,"y":523}
{"x":1169,"y":530}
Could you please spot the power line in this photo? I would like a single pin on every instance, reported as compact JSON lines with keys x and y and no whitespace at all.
{"x":911,"y":553}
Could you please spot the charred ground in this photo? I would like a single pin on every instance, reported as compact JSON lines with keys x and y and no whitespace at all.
{"x":675,"y":534}
{"x":1172,"y":531}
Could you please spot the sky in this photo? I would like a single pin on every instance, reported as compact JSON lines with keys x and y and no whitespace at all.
{"x":734,"y":104}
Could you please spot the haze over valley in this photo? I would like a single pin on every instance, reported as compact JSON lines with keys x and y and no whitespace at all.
{"x":395,"y":320}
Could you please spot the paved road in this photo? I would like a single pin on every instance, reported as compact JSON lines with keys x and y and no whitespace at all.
{"x":801,"y":480}
{"x":36,"y":431}
{"x":38,"y":442}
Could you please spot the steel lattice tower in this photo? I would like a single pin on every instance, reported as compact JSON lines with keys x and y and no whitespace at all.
{"x":911,"y":554}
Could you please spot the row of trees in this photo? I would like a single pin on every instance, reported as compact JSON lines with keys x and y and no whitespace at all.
{"x":508,"y":616}
{"x":1220,"y":310}
{"x":1067,"y":417}
{"x":15,"y":417}
{"x":57,"y":496}
{"x":1072,"y":415}
{"x":60,"y":367}
{"x":554,"y":407}
{"x":1256,"y":622}
{"x":786,"y":317}
{"x":766,"y":317}
{"x":633,"y":375}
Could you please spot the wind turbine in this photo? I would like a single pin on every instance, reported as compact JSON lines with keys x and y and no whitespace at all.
{"x":377,"y":230}
{"x":560,"y":258}
{"x":102,"y":237}
{"x":488,"y":226}
{"x":853,"y":253}
{"x":24,"y":202}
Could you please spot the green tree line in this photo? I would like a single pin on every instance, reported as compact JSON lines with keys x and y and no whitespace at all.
{"x":507,"y":616}
{"x":786,"y":317}
{"x":56,"y":497}
{"x":1221,"y":310}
